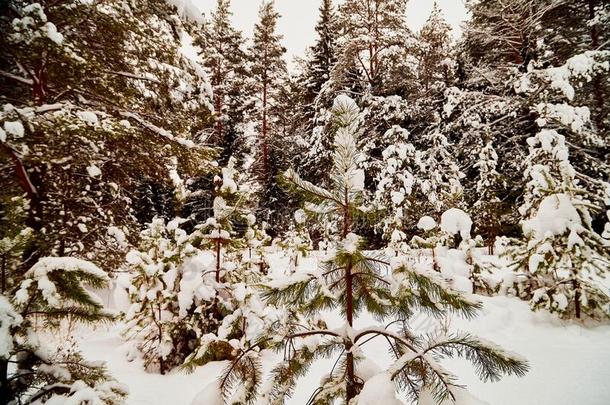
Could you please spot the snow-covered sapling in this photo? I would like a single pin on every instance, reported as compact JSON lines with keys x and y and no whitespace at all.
{"x":562,"y":257}
{"x":354,"y":281}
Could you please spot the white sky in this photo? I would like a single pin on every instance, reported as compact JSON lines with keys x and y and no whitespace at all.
{"x":298,"y":18}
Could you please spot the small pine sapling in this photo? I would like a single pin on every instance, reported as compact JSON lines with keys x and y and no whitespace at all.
{"x":355,"y":281}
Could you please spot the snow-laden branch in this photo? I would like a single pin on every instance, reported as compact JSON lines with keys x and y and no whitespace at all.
{"x":23,"y":80}
{"x":159,"y":131}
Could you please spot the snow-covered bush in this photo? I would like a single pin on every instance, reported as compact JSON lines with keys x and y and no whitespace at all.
{"x":158,"y":322}
{"x":413,"y":183}
{"x":563,"y":258}
{"x":296,"y":242}
{"x":190,"y":294}
{"x":354,"y":281}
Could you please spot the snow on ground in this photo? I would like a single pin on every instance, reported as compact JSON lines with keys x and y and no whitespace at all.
{"x":570,"y":363}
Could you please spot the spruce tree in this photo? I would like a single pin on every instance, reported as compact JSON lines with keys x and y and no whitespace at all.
{"x":320,"y":60}
{"x":354,"y":281}
{"x":315,"y":101}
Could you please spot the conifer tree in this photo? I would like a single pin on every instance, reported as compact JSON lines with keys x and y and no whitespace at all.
{"x":190,"y":292}
{"x":320,"y":62}
{"x":315,"y":99}
{"x":123,"y":104}
{"x":433,"y":49}
{"x":225,"y":61}
{"x":563,"y":258}
{"x":488,"y":205}
{"x":268,"y":73}
{"x":373,"y":32}
{"x":414,"y":182}
{"x":355,"y":281}
{"x":54,"y":290}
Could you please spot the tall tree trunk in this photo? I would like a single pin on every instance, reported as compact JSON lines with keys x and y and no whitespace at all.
{"x":597,"y":82}
{"x":264,"y":132}
{"x":5,"y":392}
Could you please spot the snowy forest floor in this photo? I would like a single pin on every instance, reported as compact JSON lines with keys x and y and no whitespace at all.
{"x":570,"y":362}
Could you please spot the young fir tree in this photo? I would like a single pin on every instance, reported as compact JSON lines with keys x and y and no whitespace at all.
{"x":55,"y":290}
{"x":354,"y":281}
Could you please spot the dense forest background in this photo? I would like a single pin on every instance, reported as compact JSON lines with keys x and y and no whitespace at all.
{"x":139,"y":126}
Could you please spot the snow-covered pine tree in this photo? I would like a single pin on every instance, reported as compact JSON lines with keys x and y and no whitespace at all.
{"x":374,"y":32}
{"x":225,"y":62}
{"x":34,"y":368}
{"x":413,"y":183}
{"x":218,"y":234}
{"x":268,"y":73}
{"x":433,"y":50}
{"x":238,"y":265}
{"x":156,"y":322}
{"x":354,"y":281}
{"x":128,"y":106}
{"x":507,"y":32}
{"x":190,"y":292}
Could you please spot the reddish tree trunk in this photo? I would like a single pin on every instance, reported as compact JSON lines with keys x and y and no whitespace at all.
{"x":597,"y":83}
{"x":264,"y":130}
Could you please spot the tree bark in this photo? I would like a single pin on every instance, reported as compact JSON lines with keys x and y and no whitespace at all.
{"x":5,"y":392}
{"x":576,"y":286}
{"x":597,"y":82}
{"x":264,"y":132}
